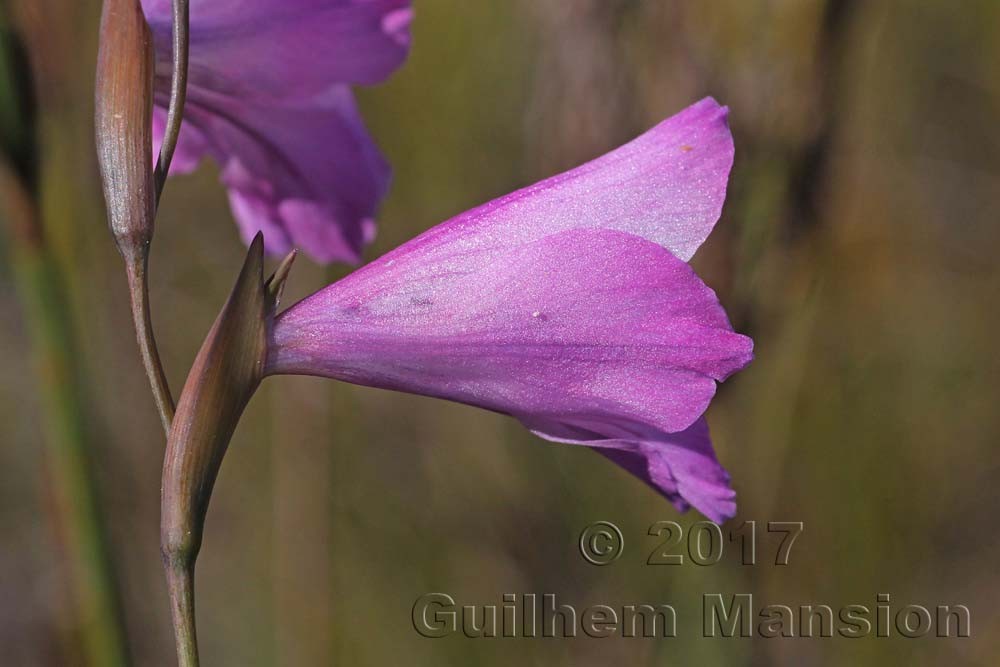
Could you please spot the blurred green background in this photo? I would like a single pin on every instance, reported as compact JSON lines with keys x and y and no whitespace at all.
{"x":858,"y":247}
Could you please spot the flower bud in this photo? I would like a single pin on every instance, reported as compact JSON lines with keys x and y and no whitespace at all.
{"x":124,"y":117}
{"x":225,"y":374}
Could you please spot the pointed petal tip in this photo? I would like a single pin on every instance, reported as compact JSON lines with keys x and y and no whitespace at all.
{"x":709,"y":102}
{"x":706,"y":112}
{"x":712,"y":112}
{"x":396,"y":24}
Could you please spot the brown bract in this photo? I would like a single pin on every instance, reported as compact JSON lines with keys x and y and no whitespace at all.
{"x":225,"y":374}
{"x":124,"y":112}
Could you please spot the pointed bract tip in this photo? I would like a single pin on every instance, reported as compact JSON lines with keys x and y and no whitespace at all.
{"x":251,"y":276}
{"x":712,"y":106}
{"x":275,"y":285}
{"x":257,"y":244}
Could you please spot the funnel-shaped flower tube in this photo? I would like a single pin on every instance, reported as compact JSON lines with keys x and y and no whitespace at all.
{"x":567,"y":305}
{"x":268,"y":98}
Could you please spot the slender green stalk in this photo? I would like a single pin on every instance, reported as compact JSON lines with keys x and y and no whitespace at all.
{"x":41,"y":289}
{"x":137,"y":264}
{"x":138,"y":288}
{"x":180,"y":584}
{"x":123,"y":92}
{"x":178,"y":93}
{"x":179,"y":571}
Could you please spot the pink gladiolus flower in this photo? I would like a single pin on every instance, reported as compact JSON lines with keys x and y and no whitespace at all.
{"x":269,"y":99}
{"x":568,"y":305}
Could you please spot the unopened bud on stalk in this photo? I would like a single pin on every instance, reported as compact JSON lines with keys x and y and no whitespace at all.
{"x":124,"y":124}
{"x":124,"y":106}
{"x":225,"y":374}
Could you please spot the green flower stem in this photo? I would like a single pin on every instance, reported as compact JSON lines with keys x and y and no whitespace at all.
{"x":136,"y":270}
{"x":180,"y":584}
{"x":178,"y":93}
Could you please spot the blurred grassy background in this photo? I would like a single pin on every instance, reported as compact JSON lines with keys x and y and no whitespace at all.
{"x":858,"y":247}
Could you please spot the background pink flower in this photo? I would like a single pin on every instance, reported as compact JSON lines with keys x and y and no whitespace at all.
{"x":269,"y":99}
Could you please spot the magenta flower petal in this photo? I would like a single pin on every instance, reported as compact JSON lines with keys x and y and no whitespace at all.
{"x":668,"y":186}
{"x":682,"y":466}
{"x":192,"y":145}
{"x":321,"y":200}
{"x":567,"y":305}
{"x":594,"y":331}
{"x":268,"y":100}
{"x":280,"y":50}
